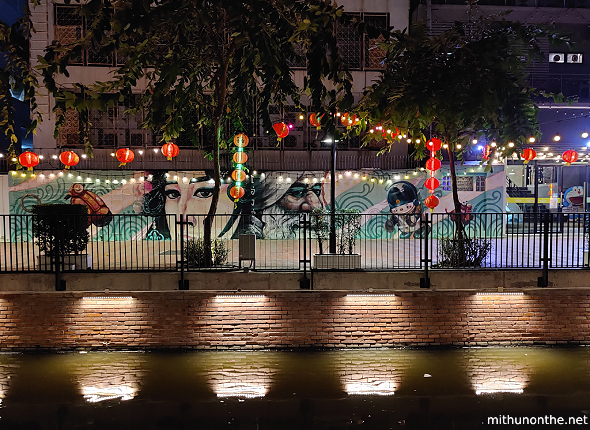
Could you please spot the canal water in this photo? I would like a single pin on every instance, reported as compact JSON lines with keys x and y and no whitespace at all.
{"x":346,"y":389}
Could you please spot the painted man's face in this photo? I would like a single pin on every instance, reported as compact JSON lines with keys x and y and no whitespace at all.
{"x":302,"y":197}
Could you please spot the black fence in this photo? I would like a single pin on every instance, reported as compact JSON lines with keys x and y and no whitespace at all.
{"x":293,"y":242}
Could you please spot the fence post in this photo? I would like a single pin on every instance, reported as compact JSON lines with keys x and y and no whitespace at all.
{"x":60,"y":285}
{"x":543,"y":281}
{"x":304,"y":219}
{"x":425,"y":281}
{"x":182,"y":283}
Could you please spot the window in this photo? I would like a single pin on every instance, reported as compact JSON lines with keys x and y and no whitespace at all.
{"x":117,"y":128}
{"x":70,"y":26}
{"x":109,"y":129}
{"x":480,"y":183}
{"x":446,"y":183}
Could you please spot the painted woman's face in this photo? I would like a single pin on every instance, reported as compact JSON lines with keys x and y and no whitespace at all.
{"x":193,"y":199}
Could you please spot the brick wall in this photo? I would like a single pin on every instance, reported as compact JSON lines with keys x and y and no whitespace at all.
{"x":291,"y":319}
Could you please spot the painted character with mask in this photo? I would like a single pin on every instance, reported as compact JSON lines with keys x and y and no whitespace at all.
{"x":405,"y":208}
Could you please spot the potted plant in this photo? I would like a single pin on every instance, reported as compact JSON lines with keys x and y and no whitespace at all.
{"x":348,"y":226}
{"x":61,"y":232}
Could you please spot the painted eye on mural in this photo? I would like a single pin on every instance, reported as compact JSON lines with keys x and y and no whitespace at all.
{"x":203,"y":193}
{"x":173,"y":194}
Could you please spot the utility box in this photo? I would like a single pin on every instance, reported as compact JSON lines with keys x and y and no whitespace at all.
{"x":247,"y":248}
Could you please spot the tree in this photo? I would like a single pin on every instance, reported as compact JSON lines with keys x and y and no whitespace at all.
{"x":16,"y":75}
{"x":205,"y":62}
{"x":467,"y":82}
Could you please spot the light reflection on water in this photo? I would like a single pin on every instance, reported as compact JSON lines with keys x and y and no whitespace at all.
{"x":386,"y":388}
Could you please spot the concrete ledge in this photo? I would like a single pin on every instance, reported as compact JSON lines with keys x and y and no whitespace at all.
{"x":482,"y":280}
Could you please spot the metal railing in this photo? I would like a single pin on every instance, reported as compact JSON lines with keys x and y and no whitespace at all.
{"x":382,"y":242}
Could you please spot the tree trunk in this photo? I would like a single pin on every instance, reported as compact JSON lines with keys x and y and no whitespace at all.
{"x":221,"y":92}
{"x":459,"y":236}
{"x":207,"y":242}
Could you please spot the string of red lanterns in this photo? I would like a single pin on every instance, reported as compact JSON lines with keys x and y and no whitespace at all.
{"x":238,"y":175}
{"x":432,"y":164}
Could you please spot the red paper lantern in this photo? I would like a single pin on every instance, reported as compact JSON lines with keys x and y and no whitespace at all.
{"x":69,"y":158}
{"x":528,"y":155}
{"x":433,"y":163}
{"x":237,"y":192}
{"x":487,"y":150}
{"x":241,"y":140}
{"x":431,"y":201}
{"x":315,"y":121}
{"x":349,"y":120}
{"x":431,"y":183}
{"x":238,"y":175}
{"x":170,"y":150}
{"x":28,"y":159}
{"x":434,"y":144}
{"x":568,"y":156}
{"x":281,"y":129}
{"x":240,"y":158}
{"x":125,"y":155}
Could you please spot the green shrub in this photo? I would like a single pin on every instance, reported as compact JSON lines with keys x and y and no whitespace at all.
{"x":194,"y":252}
{"x":456,"y":253}
{"x":348,"y":226}
{"x":61,"y":227}
{"x":320,"y":225}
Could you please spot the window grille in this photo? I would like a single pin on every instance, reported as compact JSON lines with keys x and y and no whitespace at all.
{"x":362,"y":52}
{"x":69,"y":133}
{"x":71,"y":26}
{"x":480,"y":183}
{"x":116,"y":127}
{"x":350,"y":43}
{"x":374,"y":55}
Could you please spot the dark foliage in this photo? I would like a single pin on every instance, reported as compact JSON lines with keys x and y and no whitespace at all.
{"x":61,"y":227}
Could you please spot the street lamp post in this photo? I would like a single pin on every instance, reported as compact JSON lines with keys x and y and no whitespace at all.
{"x":333,"y":198}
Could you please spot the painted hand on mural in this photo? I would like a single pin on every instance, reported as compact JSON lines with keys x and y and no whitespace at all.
{"x":99,"y":213}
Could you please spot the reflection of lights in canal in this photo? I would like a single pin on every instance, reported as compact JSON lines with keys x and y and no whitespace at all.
{"x":7,"y":371}
{"x":101,"y":394}
{"x":371,"y":373}
{"x":247,"y":375}
{"x":103,"y":377}
{"x":236,"y":389}
{"x":497,"y":371}
{"x":374,"y":388}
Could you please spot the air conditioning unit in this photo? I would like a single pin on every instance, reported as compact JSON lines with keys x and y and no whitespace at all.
{"x":556,"y":57}
{"x":574,"y":58}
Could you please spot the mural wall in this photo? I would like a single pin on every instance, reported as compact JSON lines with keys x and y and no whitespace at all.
{"x":392,"y":201}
